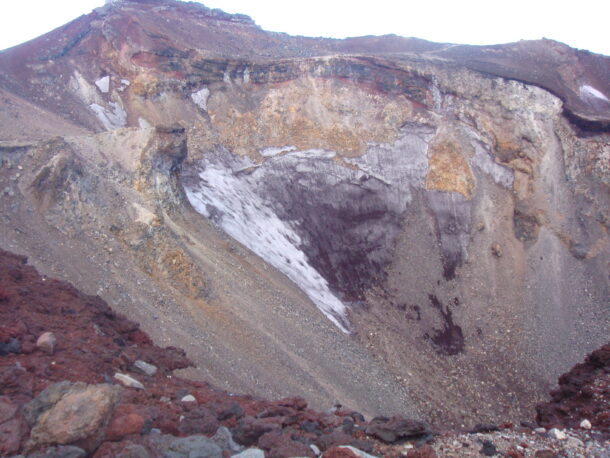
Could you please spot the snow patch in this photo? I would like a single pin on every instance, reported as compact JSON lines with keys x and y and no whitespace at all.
{"x":103,"y":84}
{"x":201,"y":98}
{"x":233,"y":203}
{"x":589,"y":92}
{"x":274,"y":150}
{"x":113,"y":118}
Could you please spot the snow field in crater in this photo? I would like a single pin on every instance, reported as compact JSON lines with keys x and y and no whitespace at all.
{"x":233,"y":204}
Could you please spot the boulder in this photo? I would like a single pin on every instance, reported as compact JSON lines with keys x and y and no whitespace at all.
{"x":123,"y":424}
{"x":224,"y":440}
{"x":199,"y":420}
{"x":193,"y":447}
{"x":392,"y":429}
{"x":79,"y":417}
{"x":11,"y":432}
{"x":279,"y":445}
{"x":249,"y":429}
{"x":11,"y":346}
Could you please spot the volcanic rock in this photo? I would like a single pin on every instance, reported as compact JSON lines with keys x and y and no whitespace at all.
{"x":60,"y":451}
{"x":249,"y":429}
{"x":148,"y":369}
{"x":12,"y":346}
{"x":124,"y":422}
{"x":199,"y":420}
{"x":46,"y":342}
{"x":395,"y":428}
{"x":278,"y":444}
{"x":224,"y":440}
{"x":199,"y":173}
{"x":129,"y":381}
{"x":77,"y":416}
{"x":193,"y":446}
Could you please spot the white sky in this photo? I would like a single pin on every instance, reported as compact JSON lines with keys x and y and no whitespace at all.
{"x":581,"y":24}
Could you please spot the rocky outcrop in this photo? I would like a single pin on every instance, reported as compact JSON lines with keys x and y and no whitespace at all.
{"x":45,"y":415}
{"x":582,"y":397}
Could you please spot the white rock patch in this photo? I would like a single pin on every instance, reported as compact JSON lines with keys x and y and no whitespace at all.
{"x":103,"y":84}
{"x":112,"y":118}
{"x":587,"y":91}
{"x":201,"y":98}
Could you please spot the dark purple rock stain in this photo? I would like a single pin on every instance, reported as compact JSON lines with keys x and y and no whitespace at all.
{"x":449,"y":340}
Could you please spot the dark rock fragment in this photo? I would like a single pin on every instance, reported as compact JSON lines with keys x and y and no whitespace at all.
{"x":250,"y":429}
{"x":12,"y":346}
{"x":489,"y":449}
{"x":392,"y":429}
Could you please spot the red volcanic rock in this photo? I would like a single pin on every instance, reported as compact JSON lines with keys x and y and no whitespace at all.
{"x":199,"y":420}
{"x":340,"y":452}
{"x":250,"y":429}
{"x":583,"y":393}
{"x":425,"y":451}
{"x":11,"y":427}
{"x":78,"y":417}
{"x":11,"y":433}
{"x":280,"y":445}
{"x":125,"y":421}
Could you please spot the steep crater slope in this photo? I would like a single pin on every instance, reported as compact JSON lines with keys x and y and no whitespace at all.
{"x":444,"y":207}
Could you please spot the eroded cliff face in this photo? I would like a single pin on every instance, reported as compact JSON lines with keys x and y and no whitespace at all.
{"x":413,"y":227}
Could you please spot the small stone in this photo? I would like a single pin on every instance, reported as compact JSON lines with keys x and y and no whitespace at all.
{"x":251,"y":453}
{"x":148,"y":369}
{"x":188,"y":398}
{"x":496,"y":250}
{"x":12,"y":346}
{"x":128,"y":381}
{"x":355,"y":451}
{"x":540,"y":430}
{"x":585,"y":424}
{"x":574,"y":442}
{"x":46,"y":342}
{"x":489,"y":449}
{"x":557,"y":434}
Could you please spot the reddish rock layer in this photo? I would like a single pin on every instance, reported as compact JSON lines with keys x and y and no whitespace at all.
{"x":93,"y":343}
{"x":583,"y":393}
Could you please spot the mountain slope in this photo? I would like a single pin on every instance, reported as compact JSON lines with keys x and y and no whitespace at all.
{"x":417,"y":227}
